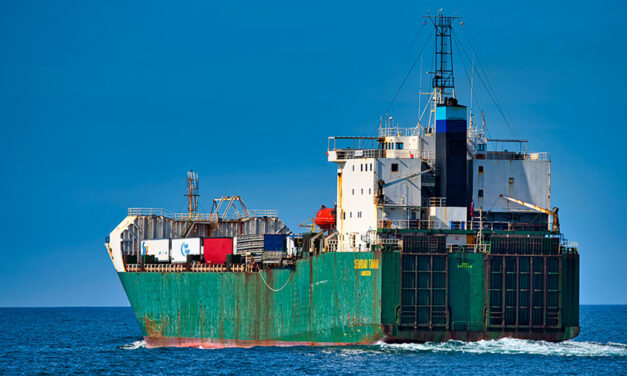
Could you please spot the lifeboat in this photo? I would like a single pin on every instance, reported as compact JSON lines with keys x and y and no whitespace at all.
{"x":325,"y":218}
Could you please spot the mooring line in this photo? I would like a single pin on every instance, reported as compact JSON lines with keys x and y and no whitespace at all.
{"x":273,"y":289}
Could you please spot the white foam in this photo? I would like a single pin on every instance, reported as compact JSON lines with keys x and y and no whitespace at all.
{"x":516,"y":346}
{"x":134,"y":346}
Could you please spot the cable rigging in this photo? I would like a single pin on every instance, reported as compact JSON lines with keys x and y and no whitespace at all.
{"x":483,"y":75}
{"x":407,"y":76}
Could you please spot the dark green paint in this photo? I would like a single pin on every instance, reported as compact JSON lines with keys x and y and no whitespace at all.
{"x":326,"y":300}
{"x":467,"y":295}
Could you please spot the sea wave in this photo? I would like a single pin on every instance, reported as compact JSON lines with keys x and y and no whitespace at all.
{"x":516,"y":346}
{"x":133,"y":346}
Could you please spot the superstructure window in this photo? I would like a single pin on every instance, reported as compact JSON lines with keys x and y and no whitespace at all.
{"x":394,"y":167}
{"x":481,"y":169}
{"x":480,"y":193}
{"x":353,"y":192}
{"x":370,"y":166}
{"x":362,"y":167}
{"x":362,"y":191}
{"x":399,"y":145}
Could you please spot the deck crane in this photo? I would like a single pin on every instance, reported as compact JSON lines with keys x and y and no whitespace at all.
{"x":552,"y":213}
{"x":396,"y":180}
{"x":381,"y":184}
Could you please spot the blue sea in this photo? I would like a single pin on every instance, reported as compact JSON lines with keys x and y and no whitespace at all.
{"x":107,"y":341}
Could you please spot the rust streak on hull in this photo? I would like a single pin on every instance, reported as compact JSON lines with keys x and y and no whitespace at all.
{"x":211,"y":343}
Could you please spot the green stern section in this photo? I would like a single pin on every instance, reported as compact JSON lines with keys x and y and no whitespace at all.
{"x":343,"y":298}
{"x":330,"y":298}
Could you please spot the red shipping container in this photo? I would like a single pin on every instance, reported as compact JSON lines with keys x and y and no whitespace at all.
{"x":216,"y":249}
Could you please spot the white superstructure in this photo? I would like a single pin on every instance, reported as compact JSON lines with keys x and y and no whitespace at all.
{"x":390,"y":181}
{"x":379,"y":182}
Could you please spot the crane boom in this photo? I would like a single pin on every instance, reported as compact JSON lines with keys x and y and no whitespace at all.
{"x":389,"y":182}
{"x":552,"y":213}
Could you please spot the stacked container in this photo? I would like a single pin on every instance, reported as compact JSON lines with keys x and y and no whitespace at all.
{"x":216,"y":249}
{"x":158,"y":248}
{"x":182,"y":249}
{"x":268,"y":248}
{"x":274,"y":242}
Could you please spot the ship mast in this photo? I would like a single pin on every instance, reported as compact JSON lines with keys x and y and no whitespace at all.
{"x":443,"y":80}
{"x":192,"y":194}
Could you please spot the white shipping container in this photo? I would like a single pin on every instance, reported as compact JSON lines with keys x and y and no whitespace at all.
{"x":455,"y":239}
{"x":160,"y":248}
{"x":235,"y":245}
{"x":183,"y":247}
{"x":292,"y":250}
{"x":442,"y":216}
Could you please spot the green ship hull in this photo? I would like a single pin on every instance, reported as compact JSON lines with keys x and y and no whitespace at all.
{"x":348,"y":298}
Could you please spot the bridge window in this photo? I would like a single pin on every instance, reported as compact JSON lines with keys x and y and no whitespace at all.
{"x":394,"y":167}
{"x":399,"y":145}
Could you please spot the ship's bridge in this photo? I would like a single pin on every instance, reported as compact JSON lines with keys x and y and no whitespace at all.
{"x":380,"y":178}
{"x":391,"y":142}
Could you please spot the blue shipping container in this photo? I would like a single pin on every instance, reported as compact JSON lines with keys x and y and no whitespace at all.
{"x":274,"y":242}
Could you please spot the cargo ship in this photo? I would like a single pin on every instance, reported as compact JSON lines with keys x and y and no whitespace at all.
{"x":437,"y":233}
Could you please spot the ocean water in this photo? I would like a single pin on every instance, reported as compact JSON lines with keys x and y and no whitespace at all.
{"x":107,"y":341}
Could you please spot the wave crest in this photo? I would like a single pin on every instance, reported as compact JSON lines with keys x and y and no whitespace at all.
{"x":516,"y":346}
{"x":133,"y":346}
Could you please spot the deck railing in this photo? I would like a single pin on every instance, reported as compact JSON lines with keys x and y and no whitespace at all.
{"x":179,"y":268}
{"x":569,"y":246}
{"x":510,"y":155}
{"x":400,"y":132}
{"x":210,"y":217}
{"x":474,"y":225}
{"x":343,"y":154}
{"x":506,"y":226}
{"x":160,"y":212}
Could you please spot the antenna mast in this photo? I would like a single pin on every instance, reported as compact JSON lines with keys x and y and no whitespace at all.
{"x":472,"y":82}
{"x":192,"y":193}
{"x":443,"y":80}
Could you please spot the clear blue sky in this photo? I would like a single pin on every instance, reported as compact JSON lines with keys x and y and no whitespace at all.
{"x":105,"y":105}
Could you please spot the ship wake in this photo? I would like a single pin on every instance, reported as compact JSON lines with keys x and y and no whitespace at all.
{"x":516,"y":346}
{"x":133,"y":346}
